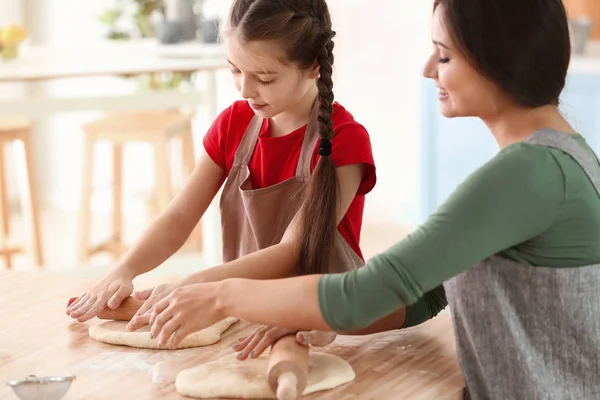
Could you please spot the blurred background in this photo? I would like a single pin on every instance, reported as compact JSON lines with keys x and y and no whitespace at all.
{"x":91,"y":87}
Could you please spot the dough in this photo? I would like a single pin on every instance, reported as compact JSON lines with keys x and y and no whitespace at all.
{"x":230,"y":378}
{"x":114,"y":332}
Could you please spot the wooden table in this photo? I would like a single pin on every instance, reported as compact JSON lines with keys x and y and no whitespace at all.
{"x":36,"y":337}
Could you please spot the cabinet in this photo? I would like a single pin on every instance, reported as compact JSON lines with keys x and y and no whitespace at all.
{"x":452,"y":148}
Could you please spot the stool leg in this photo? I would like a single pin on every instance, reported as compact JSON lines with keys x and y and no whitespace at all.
{"x":86,"y":198}
{"x":4,"y":214}
{"x":29,"y":199}
{"x":163,"y":173}
{"x":118,"y":200}
{"x":210,"y":95}
{"x":187,"y":150}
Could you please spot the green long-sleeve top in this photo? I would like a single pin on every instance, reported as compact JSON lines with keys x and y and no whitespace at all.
{"x":530,"y":203}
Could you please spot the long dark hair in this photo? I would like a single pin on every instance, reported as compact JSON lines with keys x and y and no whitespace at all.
{"x":303,"y":27}
{"x":521,"y":45}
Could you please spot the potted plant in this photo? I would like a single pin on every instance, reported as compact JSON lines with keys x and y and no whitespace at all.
{"x":138,"y":19}
{"x":11,"y":37}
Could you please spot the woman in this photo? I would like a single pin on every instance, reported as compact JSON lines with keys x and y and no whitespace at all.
{"x":514,"y":250}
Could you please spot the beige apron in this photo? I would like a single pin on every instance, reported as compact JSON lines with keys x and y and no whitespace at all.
{"x":253,"y":219}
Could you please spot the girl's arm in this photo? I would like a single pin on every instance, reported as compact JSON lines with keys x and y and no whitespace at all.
{"x":162,"y":239}
{"x":277,"y":261}
{"x":172,"y":228}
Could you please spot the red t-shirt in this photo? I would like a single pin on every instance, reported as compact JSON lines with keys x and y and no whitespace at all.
{"x":275,"y":158}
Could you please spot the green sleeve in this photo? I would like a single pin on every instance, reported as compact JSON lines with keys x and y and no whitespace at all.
{"x":510,"y":199}
{"x":427,"y":307}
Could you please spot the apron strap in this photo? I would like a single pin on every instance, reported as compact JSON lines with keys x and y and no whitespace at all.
{"x":308,"y":144}
{"x":586,"y":158}
{"x":248,"y":142}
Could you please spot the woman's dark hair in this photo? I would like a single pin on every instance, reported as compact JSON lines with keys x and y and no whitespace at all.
{"x":521,"y":45}
{"x":303,"y":28}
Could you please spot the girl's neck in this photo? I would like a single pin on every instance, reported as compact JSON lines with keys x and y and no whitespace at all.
{"x":296,"y":117}
{"x":516,"y":124}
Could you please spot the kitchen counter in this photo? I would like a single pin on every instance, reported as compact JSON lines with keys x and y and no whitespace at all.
{"x":129,"y":57}
{"x":36,"y":337}
{"x":43,"y":64}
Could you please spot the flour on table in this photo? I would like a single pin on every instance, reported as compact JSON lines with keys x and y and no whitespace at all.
{"x":230,"y":378}
{"x":115,"y":332}
{"x":118,"y":362}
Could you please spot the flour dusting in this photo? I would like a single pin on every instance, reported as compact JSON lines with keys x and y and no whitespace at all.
{"x":4,"y":356}
{"x":114,"y":361}
{"x":166,"y":372}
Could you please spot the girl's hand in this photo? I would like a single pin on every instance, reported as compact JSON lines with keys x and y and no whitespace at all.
{"x":110,"y":292}
{"x":151,"y":297}
{"x":185,"y":310}
{"x":254,"y":345}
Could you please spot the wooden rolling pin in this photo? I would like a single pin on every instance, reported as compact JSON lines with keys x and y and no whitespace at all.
{"x":124,"y":312}
{"x":288,"y":368}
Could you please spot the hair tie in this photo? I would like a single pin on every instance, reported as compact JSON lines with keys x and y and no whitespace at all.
{"x":325,"y":147}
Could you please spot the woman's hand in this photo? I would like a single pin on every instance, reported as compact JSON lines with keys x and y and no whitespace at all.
{"x":151,"y":297}
{"x":110,"y":292}
{"x":185,"y":310}
{"x":254,"y":345}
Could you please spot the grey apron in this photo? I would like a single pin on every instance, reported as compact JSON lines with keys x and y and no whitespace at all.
{"x":526,"y":332}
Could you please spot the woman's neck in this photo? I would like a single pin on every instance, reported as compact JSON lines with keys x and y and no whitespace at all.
{"x":516,"y":124}
{"x":296,"y":117}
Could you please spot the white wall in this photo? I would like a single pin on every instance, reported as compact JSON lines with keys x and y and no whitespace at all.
{"x":59,"y":138}
{"x":380,"y":49}
{"x":11,"y":12}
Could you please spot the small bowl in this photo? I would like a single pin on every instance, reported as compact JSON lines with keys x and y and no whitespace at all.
{"x":43,"y":388}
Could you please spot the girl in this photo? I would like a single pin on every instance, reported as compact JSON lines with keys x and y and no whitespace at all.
{"x":278,"y":220}
{"x":515,"y":250}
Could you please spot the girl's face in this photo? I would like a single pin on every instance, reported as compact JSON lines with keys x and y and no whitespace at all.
{"x":463,"y":90}
{"x":264,"y":78}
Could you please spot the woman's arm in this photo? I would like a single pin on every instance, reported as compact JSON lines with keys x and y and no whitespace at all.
{"x":391,"y":322}
{"x":423,"y":310}
{"x":511,"y":199}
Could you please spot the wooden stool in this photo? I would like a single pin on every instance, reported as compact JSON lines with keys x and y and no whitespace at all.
{"x":155,"y":127}
{"x":17,"y":131}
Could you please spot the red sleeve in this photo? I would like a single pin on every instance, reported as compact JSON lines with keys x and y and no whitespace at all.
{"x":224,"y":135}
{"x":215,"y":139}
{"x":351,"y":144}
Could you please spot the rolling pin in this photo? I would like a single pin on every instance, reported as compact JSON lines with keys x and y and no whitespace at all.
{"x":124,"y":312}
{"x":288,"y":368}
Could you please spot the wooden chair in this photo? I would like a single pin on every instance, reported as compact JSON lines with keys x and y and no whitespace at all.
{"x":17,"y":132}
{"x":154,"y":127}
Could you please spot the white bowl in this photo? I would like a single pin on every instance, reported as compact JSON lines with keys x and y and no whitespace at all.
{"x":43,"y":388}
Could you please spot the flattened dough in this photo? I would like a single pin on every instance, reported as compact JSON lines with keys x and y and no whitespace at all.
{"x":114,"y":332}
{"x":228,"y":377}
